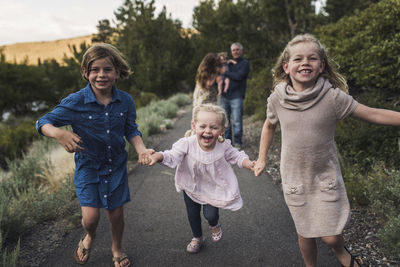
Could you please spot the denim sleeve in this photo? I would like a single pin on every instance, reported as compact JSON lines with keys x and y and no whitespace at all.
{"x":131,"y":127}
{"x":61,"y":115}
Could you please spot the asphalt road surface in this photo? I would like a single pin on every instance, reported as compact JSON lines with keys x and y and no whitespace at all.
{"x":157,"y":231}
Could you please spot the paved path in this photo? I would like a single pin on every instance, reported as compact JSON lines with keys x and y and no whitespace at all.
{"x":157,"y":231}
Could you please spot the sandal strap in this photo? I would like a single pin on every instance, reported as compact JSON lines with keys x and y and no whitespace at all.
{"x":81,"y":246}
{"x":354,"y":258}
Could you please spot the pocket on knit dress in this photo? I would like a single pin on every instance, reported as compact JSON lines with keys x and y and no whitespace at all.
{"x":330,"y":190}
{"x":294,"y":195}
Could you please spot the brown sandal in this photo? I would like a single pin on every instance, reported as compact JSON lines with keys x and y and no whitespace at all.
{"x":354,"y":259}
{"x":84,"y":251}
{"x":121,"y":258}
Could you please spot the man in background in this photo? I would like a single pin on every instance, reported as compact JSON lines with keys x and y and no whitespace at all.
{"x":232,"y":100}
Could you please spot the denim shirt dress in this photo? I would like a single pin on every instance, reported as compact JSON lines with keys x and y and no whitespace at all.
{"x":101,"y":177}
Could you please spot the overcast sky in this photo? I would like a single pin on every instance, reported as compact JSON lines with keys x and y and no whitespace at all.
{"x":48,"y":20}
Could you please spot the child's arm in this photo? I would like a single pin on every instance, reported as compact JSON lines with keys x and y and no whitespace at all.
{"x":226,"y":85}
{"x":143,"y":153}
{"x":67,"y":139}
{"x":156,"y":157}
{"x":376,"y":115}
{"x":248,"y":164}
{"x":267,"y":135}
{"x":219,"y":82}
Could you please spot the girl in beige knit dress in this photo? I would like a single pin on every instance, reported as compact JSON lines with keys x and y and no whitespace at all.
{"x":308,"y":100}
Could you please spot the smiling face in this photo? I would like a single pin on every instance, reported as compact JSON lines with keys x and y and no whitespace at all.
{"x":304,"y":65}
{"x":102,"y":75}
{"x":208,"y":126}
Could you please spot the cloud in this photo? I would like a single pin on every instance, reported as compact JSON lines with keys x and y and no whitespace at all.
{"x":45,"y":20}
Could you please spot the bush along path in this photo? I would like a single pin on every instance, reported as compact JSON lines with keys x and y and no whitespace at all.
{"x":157,"y":230}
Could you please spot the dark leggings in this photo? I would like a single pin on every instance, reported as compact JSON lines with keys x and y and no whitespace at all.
{"x":193,"y":211}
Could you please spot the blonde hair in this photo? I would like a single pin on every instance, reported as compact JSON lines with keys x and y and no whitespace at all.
{"x":207,"y":69}
{"x":103,"y":50}
{"x":330,"y":71}
{"x":219,"y":111}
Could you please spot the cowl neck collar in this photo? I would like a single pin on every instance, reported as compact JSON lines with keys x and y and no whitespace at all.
{"x":290,"y":99}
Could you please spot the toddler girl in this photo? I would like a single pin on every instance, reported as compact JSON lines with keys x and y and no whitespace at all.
{"x":307,"y":102}
{"x":204,"y":171}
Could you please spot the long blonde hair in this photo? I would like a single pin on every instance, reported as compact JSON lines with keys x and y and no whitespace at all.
{"x":207,"y":69}
{"x":330,"y":71}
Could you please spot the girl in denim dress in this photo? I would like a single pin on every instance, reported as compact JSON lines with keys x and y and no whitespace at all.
{"x":100,"y":116}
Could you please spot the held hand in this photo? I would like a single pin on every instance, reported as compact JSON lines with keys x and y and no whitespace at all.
{"x":69,"y":140}
{"x":248,"y":164}
{"x":156,"y":157}
{"x":259,"y":167}
{"x":153,"y":160}
{"x":253,"y":163}
{"x":145,"y":157}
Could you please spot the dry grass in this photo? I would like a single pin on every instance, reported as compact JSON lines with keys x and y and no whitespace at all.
{"x":17,"y":53}
{"x":62,"y":166}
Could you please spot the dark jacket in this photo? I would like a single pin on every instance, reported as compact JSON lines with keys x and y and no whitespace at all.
{"x":237,"y":75}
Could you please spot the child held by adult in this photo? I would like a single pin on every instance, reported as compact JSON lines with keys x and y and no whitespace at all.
{"x":204,"y":171}
{"x":308,"y":100}
{"x":100,"y":116}
{"x":222,"y":80}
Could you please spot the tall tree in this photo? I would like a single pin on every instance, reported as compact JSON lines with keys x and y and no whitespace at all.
{"x":104,"y":32}
{"x":336,"y":9}
{"x":155,"y":47}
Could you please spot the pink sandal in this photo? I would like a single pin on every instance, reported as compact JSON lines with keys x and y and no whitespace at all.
{"x":216,"y":233}
{"x":195,"y":245}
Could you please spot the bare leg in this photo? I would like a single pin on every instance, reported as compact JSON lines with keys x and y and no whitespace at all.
{"x":90,"y":220}
{"x":336,"y":243}
{"x":116,"y":218}
{"x":308,"y":249}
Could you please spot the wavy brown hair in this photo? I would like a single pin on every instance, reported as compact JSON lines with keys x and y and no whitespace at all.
{"x":330,"y":71}
{"x":208,"y":69}
{"x":103,"y":50}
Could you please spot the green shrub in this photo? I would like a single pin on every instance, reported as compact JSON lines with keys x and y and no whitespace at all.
{"x":164,"y":108}
{"x":257,"y":92}
{"x":384,"y":191}
{"x":367,"y":46}
{"x":144,"y":99}
{"x":14,"y":141}
{"x":390,"y":236}
{"x":361,"y":143}
{"x":180,"y":99}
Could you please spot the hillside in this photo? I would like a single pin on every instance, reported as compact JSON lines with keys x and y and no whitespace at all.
{"x":44,"y":50}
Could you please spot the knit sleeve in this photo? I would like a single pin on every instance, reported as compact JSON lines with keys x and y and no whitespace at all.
{"x":271,"y":112}
{"x":344,"y":104}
